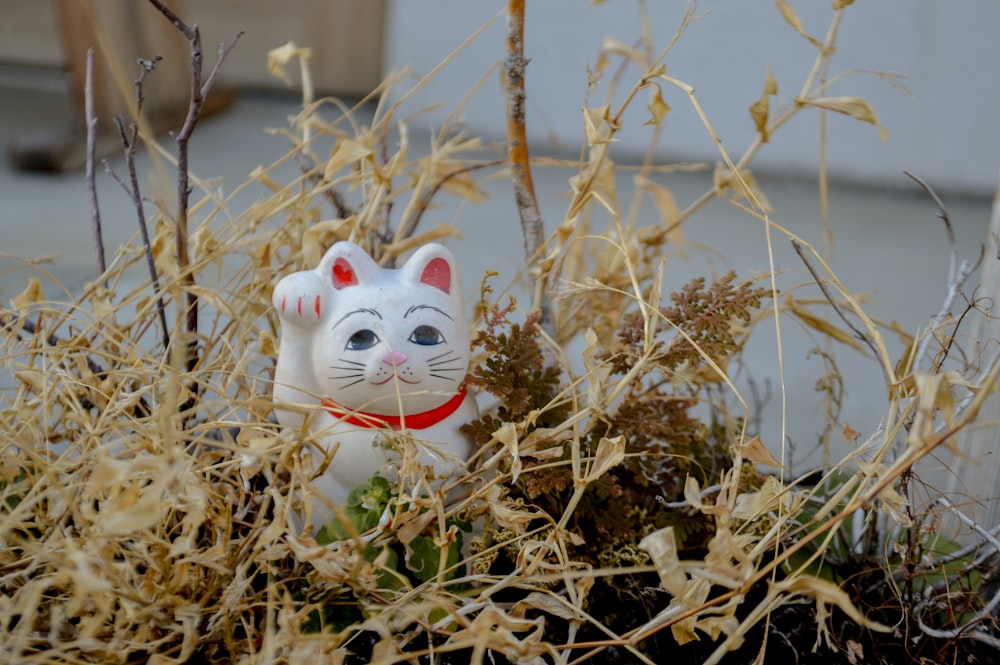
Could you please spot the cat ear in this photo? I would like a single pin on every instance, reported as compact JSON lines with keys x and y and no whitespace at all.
{"x":437,"y":273}
{"x":434,"y":265}
{"x":343,"y":274}
{"x":345,"y":264}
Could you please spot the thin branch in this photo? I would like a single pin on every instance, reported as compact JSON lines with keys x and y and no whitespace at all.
{"x":958,"y":273}
{"x":199,"y":89}
{"x":130,"y":143}
{"x":532,"y":226}
{"x":408,"y":225}
{"x":95,"y":211}
{"x":836,"y":307}
{"x":336,"y":199}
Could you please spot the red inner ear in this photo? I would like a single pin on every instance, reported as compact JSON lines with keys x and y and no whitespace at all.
{"x":343,"y":274}
{"x":437,"y":273}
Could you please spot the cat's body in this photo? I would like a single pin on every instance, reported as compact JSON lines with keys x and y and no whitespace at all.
{"x":367,"y":350}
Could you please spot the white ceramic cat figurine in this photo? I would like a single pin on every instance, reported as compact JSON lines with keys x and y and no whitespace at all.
{"x":372,"y":350}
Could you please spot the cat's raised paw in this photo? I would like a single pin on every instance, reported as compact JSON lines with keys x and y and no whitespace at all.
{"x":302,"y":298}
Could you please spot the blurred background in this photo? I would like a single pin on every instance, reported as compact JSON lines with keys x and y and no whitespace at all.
{"x":927,"y":68}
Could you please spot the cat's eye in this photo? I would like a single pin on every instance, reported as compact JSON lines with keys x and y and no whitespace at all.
{"x":426,"y":336}
{"x":361,"y":340}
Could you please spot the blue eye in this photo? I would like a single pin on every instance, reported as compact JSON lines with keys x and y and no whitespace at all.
{"x":426,"y":336}
{"x":361,"y":340}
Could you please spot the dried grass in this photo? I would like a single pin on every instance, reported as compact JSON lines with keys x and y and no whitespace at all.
{"x":149,"y":501}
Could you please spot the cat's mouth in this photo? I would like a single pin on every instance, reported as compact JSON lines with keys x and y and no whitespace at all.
{"x":391,"y":377}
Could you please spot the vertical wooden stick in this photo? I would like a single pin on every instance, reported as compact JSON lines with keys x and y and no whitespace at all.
{"x":91,"y":119}
{"x":199,"y":90}
{"x":532,"y":227}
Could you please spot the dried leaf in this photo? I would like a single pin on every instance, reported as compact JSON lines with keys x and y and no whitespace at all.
{"x":935,"y":397}
{"x":889,"y":498}
{"x":756,"y":452}
{"x":31,"y":295}
{"x":610,"y":453}
{"x":828,"y":593}
{"x":854,"y":107}
{"x":822,"y":325}
{"x":595,"y":389}
{"x":596,"y":123}
{"x":213,"y":297}
{"x":661,"y":546}
{"x":345,"y":153}
{"x":507,"y":435}
{"x":694,"y":595}
{"x":760,"y":110}
{"x":278,"y":57}
{"x":788,"y":12}
{"x":692,"y":494}
{"x":495,"y":629}
{"x":744,"y":187}
{"x":319,"y":237}
{"x":850,"y":434}
{"x":164,"y":249}
{"x":536,"y":600}
{"x":206,"y":247}
{"x":413,"y":523}
{"x":618,"y":47}
{"x":455,"y":179}
{"x":750,"y":505}
{"x":657,"y":108}
{"x":666,"y":206}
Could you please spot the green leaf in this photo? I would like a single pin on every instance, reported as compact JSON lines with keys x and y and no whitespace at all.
{"x":424,"y":557}
{"x":365,"y":506}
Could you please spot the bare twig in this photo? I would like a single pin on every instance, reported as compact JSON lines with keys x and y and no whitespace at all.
{"x":958,"y":273}
{"x":95,"y":211}
{"x":416,"y":209}
{"x":130,"y":143}
{"x":833,"y":303}
{"x":199,"y":90}
{"x":983,"y":616}
{"x":336,"y":199}
{"x":532,"y":226}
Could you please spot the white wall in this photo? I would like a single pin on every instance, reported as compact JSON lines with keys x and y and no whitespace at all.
{"x":947,"y":132}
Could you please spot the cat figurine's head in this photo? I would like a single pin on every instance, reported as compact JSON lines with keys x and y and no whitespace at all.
{"x":383,"y":341}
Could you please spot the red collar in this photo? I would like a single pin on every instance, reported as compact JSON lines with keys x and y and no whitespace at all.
{"x":421,"y":420}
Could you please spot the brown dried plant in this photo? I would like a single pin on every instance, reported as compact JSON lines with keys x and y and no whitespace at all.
{"x":147,"y":499}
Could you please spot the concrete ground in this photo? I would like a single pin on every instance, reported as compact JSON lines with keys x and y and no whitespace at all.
{"x":888,"y":243}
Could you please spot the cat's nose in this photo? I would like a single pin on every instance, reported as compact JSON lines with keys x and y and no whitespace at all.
{"x":395,"y":358}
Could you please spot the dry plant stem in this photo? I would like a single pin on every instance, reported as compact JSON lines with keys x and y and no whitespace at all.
{"x":91,"y":119}
{"x":130,"y":143}
{"x":532,"y":227}
{"x":825,"y":52}
{"x":958,"y":273}
{"x":199,"y":90}
{"x":310,"y":171}
{"x":840,"y":312}
{"x":408,"y":225}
